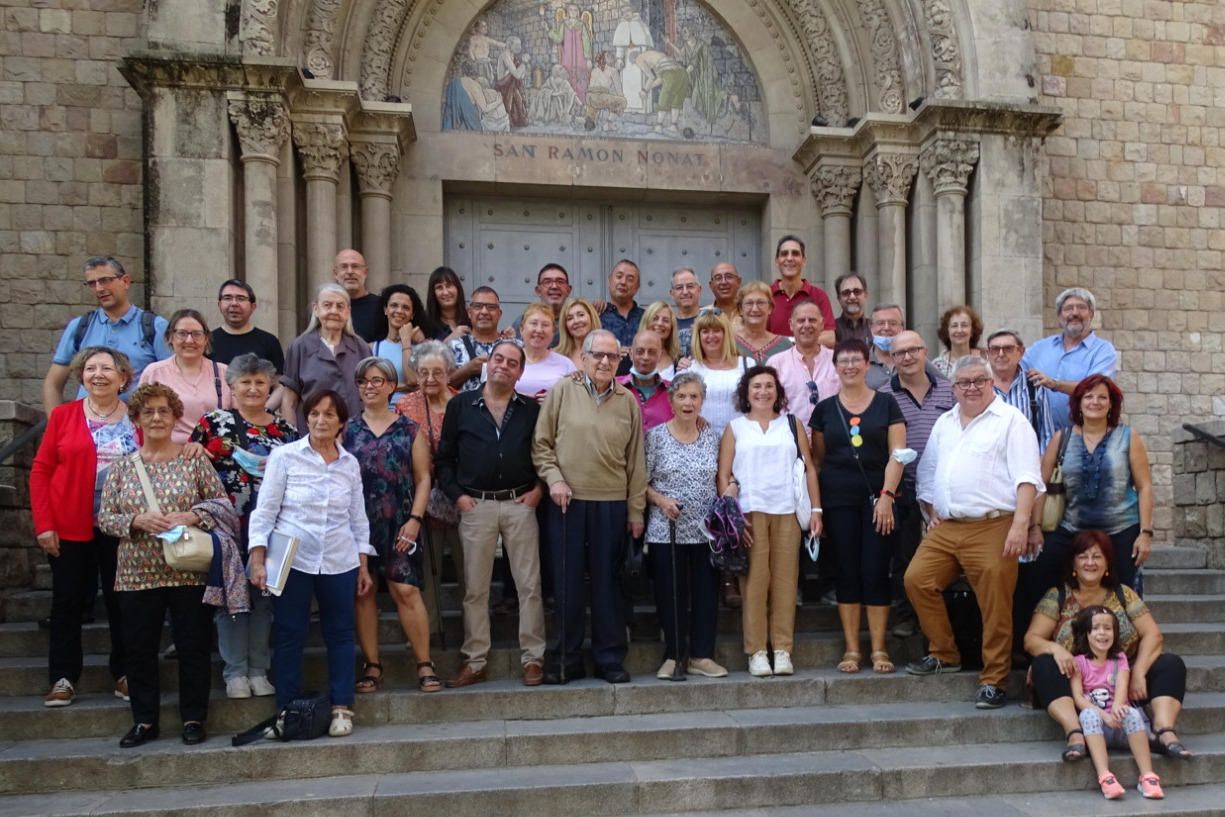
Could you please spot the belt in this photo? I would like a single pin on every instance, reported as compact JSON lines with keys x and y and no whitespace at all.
{"x":988,"y":515}
{"x":500,"y":496}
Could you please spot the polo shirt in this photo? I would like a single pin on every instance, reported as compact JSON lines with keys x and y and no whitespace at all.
{"x":780,"y":318}
{"x":1092,"y":355}
{"x":845,"y":328}
{"x":920,"y":418}
{"x":656,"y":407}
{"x":123,"y":335}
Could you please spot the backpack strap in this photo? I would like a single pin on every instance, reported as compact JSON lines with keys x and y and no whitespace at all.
{"x":147,"y":329}
{"x":217,"y":384}
{"x":470,"y":346}
{"x":257,"y":732}
{"x":1033,"y":403}
{"x":83,"y":324}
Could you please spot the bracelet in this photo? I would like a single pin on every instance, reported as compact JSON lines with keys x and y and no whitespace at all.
{"x":1146,"y":530}
{"x":888,"y":493}
{"x":733,"y":481}
{"x":817,"y":510}
{"x":420,"y":521}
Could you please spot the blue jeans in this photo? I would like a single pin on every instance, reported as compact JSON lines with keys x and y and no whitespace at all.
{"x":291,"y":622}
{"x":243,"y":639}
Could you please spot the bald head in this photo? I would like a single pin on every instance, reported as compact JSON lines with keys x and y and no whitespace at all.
{"x":646,"y":352}
{"x":909,"y":353}
{"x":350,"y":271}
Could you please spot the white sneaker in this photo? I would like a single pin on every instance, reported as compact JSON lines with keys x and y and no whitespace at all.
{"x":237,"y":688}
{"x":666,"y":669}
{"x":261,"y":687}
{"x":707,"y":667}
{"x":342,"y":723}
{"x":759,"y":665}
{"x":782,"y":663}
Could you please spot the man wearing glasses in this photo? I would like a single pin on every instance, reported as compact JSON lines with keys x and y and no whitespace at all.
{"x":552,"y":288}
{"x":472,"y":350}
{"x":725,"y":286}
{"x":685,"y":292}
{"x":115,"y":324}
{"x":806,"y":370}
{"x":852,"y":294}
{"x":977,"y":481}
{"x":588,"y":449}
{"x":887,"y":321}
{"x":1004,"y":353}
{"x":237,"y":335}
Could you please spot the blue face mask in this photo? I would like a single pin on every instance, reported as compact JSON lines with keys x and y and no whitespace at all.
{"x":634,"y":371}
{"x":882,"y":343}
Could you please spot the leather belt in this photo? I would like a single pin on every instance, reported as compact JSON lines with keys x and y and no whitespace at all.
{"x":988,"y":515}
{"x":500,"y":496}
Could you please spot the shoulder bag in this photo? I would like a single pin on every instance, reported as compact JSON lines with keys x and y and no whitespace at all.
{"x":193,"y":551}
{"x":799,"y":480}
{"x":304,"y":718}
{"x":1056,"y":491}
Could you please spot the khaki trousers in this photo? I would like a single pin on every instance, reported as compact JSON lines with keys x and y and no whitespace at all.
{"x":768,"y":611}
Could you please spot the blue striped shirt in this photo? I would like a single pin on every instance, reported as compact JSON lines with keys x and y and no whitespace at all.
{"x":1017,"y":396}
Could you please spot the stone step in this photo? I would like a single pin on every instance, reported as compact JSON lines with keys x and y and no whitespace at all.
{"x":1181,"y":581}
{"x":1186,"y":608}
{"x":811,"y":778}
{"x":1167,"y":557}
{"x":89,"y":764}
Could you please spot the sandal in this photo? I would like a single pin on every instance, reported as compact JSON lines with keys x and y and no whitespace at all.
{"x":1075,"y":751}
{"x":368,"y":682}
{"x":430,"y":682}
{"x":1174,"y":748}
{"x":881,"y":662}
{"x":850,"y":661}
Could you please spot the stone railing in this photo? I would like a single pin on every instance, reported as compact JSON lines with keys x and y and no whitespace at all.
{"x":1199,"y":490}
{"x":18,"y":551}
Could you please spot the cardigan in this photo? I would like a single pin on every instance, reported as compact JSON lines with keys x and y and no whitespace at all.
{"x":64,"y":475}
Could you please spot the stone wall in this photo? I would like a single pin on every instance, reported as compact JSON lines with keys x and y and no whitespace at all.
{"x":1199,"y":492}
{"x":18,"y":550}
{"x":1135,"y":199}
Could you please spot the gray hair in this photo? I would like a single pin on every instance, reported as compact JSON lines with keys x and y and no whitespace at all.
{"x":384,"y":366}
{"x":684,"y":379}
{"x":883,"y":307}
{"x":968,"y":362}
{"x":999,"y":333}
{"x":103,"y":261}
{"x":1076,"y":292}
{"x":330,"y":286}
{"x":248,"y":365}
{"x":595,"y":333}
{"x":432,"y":348}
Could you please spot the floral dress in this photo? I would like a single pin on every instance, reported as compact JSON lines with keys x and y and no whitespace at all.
{"x":220,"y":432}
{"x":387,"y":482}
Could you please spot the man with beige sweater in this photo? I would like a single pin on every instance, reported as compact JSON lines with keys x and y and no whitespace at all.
{"x":588,"y":449}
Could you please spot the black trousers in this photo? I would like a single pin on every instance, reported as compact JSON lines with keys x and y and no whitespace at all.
{"x":76,"y":573}
{"x":862,"y":554}
{"x":191,"y":624}
{"x":696,"y":599}
{"x":1167,"y":678}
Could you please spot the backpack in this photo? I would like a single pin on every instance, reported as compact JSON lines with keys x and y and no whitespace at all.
{"x":147,"y":330}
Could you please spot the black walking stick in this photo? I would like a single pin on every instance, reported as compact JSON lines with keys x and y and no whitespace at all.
{"x":678,"y":671}
{"x":436,"y":577}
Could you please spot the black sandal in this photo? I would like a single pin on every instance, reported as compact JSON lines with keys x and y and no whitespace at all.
{"x":1074,"y":751}
{"x":368,"y":682}
{"x":430,"y":680}
{"x":1174,"y":748}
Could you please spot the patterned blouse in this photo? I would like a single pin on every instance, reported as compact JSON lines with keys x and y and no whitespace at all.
{"x":1129,"y":639}
{"x":220,"y":432}
{"x":179,"y":484}
{"x":111,"y":441}
{"x":685,"y":472}
{"x":781,"y":343}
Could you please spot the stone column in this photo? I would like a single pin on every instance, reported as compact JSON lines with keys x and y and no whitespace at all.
{"x":948,"y":161}
{"x":263,"y":128}
{"x":323,"y":145}
{"x":889,"y":174}
{"x":834,"y":186}
{"x":377,"y":161}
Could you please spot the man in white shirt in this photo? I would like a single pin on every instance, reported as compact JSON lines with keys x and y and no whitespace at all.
{"x":977,"y":481}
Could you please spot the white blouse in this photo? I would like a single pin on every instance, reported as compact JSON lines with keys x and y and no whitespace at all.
{"x":719,"y":407}
{"x":763,"y":464}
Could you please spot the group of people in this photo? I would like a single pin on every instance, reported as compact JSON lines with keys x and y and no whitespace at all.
{"x":393,"y":432}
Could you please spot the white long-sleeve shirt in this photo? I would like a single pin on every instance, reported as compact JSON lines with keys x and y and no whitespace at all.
{"x":971,"y":471}
{"x":320,"y":503}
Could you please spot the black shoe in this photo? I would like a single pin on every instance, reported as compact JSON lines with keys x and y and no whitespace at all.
{"x":614,"y":674}
{"x":575,"y":673}
{"x":138,"y":735}
{"x":193,"y":733}
{"x":989,"y":697}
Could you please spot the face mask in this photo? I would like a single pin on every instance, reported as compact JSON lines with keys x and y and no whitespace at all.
{"x":248,"y":462}
{"x":634,"y":371}
{"x":882,"y":343}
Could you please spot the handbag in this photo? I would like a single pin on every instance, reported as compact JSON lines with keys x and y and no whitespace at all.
{"x":1056,"y":491}
{"x":193,"y":551}
{"x":304,"y":718}
{"x":799,"y":480}
{"x":440,"y":508}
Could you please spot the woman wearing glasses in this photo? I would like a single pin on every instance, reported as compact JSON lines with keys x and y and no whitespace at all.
{"x":854,"y":436}
{"x":199,"y":382}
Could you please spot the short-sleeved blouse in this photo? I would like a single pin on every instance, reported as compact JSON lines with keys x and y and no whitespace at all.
{"x":842,"y":483}
{"x":220,"y":432}
{"x":685,"y":472}
{"x":179,"y":484}
{"x":415,"y":407}
{"x":1129,"y":638}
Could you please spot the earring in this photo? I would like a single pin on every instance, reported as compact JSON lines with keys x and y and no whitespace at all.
{"x":1073,"y":574}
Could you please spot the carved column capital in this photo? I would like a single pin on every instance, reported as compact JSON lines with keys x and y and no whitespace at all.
{"x":889,"y":175}
{"x":323,"y":146}
{"x":835,"y":186}
{"x":377,"y":164}
{"x":948,"y":161}
{"x":262,"y":123}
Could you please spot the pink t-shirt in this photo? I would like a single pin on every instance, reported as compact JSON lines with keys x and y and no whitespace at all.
{"x":199,"y":395}
{"x":1099,"y":683}
{"x":542,"y":375}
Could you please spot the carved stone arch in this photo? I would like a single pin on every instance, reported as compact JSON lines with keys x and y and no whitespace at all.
{"x":878,"y":27}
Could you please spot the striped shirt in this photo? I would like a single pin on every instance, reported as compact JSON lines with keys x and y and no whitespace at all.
{"x":1039,"y":415}
{"x":920,"y":418}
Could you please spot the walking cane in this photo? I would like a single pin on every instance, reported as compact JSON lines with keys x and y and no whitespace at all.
{"x":678,"y":671}
{"x":436,"y":577}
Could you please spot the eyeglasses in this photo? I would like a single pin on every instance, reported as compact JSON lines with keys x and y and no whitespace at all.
{"x":849,"y":361}
{"x":185,"y":334}
{"x":479,"y":306}
{"x":160,"y":411}
{"x":894,"y":323}
{"x":553,"y":282}
{"x":913,"y":351}
{"x":1002,"y":350}
{"x":720,"y":279}
{"x":603,"y":355}
{"x":235,"y":299}
{"x":101,"y":281}
{"x":858,"y":293}
{"x":431,"y":374}
{"x":376,"y":382}
{"x":755,"y":304}
{"x":975,"y":384}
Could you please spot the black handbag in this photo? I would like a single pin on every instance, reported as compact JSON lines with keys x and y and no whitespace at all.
{"x":304,"y":718}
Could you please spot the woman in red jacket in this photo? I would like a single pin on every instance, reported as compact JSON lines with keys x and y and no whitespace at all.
{"x":82,"y":439}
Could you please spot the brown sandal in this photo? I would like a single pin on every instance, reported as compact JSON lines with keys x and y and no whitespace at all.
{"x":430,"y":682}
{"x":881,"y":663}
{"x":368,"y":682}
{"x":850,"y":661}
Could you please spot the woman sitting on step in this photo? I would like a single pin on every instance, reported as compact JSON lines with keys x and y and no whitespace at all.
{"x":1158,"y":680}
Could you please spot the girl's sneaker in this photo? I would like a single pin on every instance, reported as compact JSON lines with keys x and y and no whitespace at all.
{"x":1150,"y":787}
{"x":1111,"y":789}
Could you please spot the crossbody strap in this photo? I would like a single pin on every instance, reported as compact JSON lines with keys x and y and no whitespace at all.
{"x":795,"y":435}
{"x":846,"y":425}
{"x":217,"y":384}
{"x":150,"y":497}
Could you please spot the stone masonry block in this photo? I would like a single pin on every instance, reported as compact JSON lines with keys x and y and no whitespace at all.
{"x":1184,"y":489}
{"x":1206,"y":488}
{"x":1197,"y":456}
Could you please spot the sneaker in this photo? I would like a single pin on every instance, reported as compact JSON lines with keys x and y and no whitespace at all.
{"x":782,"y":663}
{"x":989,"y":697}
{"x":706,"y":667}
{"x":666,"y":669}
{"x":121,"y":689}
{"x":261,"y":687}
{"x":62,"y":693}
{"x":1111,"y":789}
{"x":759,"y":665}
{"x":931,"y":665}
{"x":238,"y":687}
{"x":1150,"y":787}
{"x":830,"y":599}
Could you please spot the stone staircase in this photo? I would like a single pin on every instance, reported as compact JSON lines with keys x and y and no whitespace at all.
{"x":817,"y":743}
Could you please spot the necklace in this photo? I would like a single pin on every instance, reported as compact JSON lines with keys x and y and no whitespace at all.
{"x":89,"y":403}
